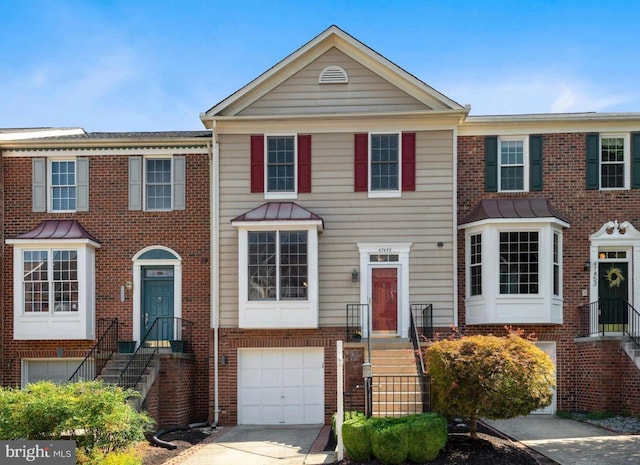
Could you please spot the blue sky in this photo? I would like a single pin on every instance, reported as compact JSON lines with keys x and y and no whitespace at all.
{"x":156,"y":65}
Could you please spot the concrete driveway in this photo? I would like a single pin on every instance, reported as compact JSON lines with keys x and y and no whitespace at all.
{"x":263,"y":445}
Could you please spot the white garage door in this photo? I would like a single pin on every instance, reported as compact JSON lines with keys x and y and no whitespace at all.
{"x":281,"y":386}
{"x":550,"y":349}
{"x":58,"y":371}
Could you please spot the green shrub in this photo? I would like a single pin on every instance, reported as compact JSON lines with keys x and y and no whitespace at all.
{"x":94,"y":414}
{"x":389,"y":440}
{"x":356,"y":438}
{"x":417,"y":438}
{"x":426,"y":435}
{"x":489,"y":376}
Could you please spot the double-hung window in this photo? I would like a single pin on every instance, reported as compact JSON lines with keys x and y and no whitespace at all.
{"x":157,"y":185}
{"x":277,"y":265}
{"x":475,"y":256}
{"x":385,"y":163}
{"x":612,"y":162}
{"x":63,"y":185}
{"x":281,"y":164}
{"x":513,"y":157}
{"x":60,"y":184}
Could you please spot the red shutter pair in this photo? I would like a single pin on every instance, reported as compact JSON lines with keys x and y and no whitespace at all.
{"x":361,"y":162}
{"x":304,"y":163}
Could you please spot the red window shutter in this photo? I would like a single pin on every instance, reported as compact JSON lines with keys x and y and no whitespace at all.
{"x":257,"y":163}
{"x":304,"y":163}
{"x":361,"y":163}
{"x":408,"y":161}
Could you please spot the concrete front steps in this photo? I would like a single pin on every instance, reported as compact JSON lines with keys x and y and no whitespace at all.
{"x":632,"y":350}
{"x":396,"y":385}
{"x":112,"y":370}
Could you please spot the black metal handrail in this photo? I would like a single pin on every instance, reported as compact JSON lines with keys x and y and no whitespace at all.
{"x":100,"y":353}
{"x":423,"y":315}
{"x":163,"y":331}
{"x":605,"y":316}
{"x":354,"y":321}
{"x":633,"y":330}
{"x":415,"y":339}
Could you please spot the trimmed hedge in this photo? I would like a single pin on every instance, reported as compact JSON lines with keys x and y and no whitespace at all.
{"x":417,"y":438}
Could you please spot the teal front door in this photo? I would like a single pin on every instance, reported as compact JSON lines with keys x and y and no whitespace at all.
{"x":157,"y":296}
{"x":613,"y":294}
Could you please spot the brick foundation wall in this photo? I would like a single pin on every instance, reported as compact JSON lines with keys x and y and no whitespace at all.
{"x":176,"y":397}
{"x":232,"y":339}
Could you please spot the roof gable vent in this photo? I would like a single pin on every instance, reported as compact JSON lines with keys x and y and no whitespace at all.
{"x":333,"y":75}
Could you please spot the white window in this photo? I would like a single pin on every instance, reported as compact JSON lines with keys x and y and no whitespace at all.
{"x":278,"y":275}
{"x":54,"y":289}
{"x":281,"y":159}
{"x":384,"y":163}
{"x":278,"y":265}
{"x":158,"y":183}
{"x":513,"y":159}
{"x":614,"y":161}
{"x":62,"y":185}
{"x":514,"y":271}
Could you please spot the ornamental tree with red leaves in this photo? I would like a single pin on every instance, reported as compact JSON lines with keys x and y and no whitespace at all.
{"x":489,"y":377}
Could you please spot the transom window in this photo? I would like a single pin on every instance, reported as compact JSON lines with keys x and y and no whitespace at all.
{"x":63,"y":185}
{"x":385,"y":162}
{"x":278,"y":265}
{"x":512,"y":164}
{"x":281,"y":163}
{"x":158,"y":183}
{"x":612,"y":162}
{"x":50,"y":281}
{"x":519,"y":262}
{"x":476,"y":264}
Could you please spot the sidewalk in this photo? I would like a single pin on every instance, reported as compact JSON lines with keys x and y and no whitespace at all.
{"x":571,"y":442}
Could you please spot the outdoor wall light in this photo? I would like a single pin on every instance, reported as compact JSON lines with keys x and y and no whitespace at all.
{"x":223,"y":360}
{"x":355,"y":276}
{"x":587,"y":265}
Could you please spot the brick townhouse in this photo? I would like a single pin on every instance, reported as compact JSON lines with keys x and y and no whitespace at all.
{"x":336,"y":196}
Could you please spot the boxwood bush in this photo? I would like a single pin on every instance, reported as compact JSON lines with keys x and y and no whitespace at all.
{"x":417,"y":438}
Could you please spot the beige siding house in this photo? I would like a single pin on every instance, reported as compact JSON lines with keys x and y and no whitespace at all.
{"x":334,"y":184}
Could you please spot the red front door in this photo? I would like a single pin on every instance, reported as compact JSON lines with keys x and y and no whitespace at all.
{"x":384,"y":285}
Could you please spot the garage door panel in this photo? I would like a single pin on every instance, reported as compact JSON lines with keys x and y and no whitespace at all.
{"x":290,"y":384}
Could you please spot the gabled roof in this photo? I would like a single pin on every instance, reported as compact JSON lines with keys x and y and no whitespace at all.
{"x":57,"y":230}
{"x":279,"y":211}
{"x":332,"y":37}
{"x":512,"y":209}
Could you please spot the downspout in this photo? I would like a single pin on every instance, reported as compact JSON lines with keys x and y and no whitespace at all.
{"x":215,"y":267}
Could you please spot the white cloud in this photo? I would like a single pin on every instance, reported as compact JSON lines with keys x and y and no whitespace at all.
{"x":537,"y":94}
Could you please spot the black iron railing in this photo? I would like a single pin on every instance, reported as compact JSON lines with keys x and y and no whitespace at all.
{"x":608,"y":316}
{"x":355,"y":314}
{"x":605,"y":316}
{"x":100,"y":353}
{"x":423,"y":318}
{"x":397,"y":395}
{"x":423,"y":378}
{"x":164,"y":332}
